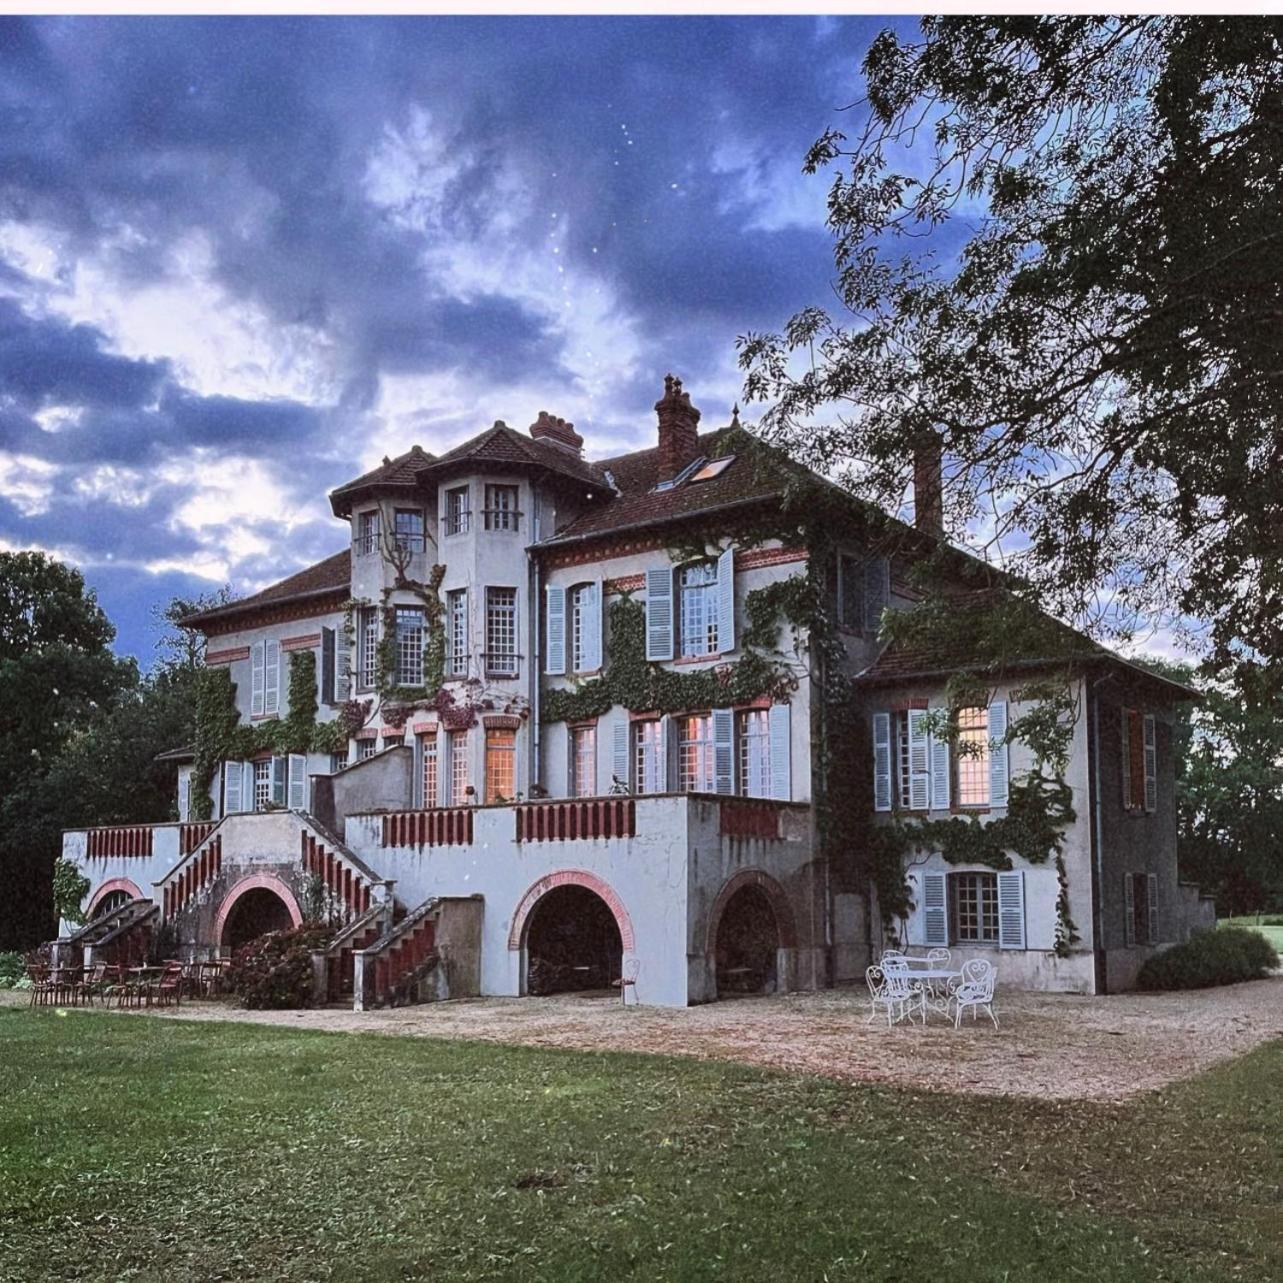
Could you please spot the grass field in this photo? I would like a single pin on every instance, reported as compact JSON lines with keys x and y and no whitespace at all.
{"x":133,"y":1148}
{"x":1272,"y":933}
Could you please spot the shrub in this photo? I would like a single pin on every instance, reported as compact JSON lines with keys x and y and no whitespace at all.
{"x":275,"y":971}
{"x":12,"y":969}
{"x":1221,"y":957}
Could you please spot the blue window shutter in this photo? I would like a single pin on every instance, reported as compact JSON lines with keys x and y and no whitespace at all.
{"x":232,"y":788}
{"x":723,"y":750}
{"x":1151,"y":764}
{"x":659,"y":613}
{"x":556,"y":659}
{"x":935,"y":915}
{"x":998,"y":770}
{"x":184,"y":796}
{"x":297,"y":782}
{"x":327,"y":665}
{"x":940,"y":772}
{"x":726,"y":600}
{"x":418,"y":800}
{"x":919,"y":761}
{"x":1011,"y":910}
{"x":257,"y":662}
{"x":667,"y":773}
{"x":881,"y":761}
{"x":280,"y":768}
{"x":272,"y":676}
{"x":1129,"y":909}
{"x":592,"y":619}
{"x":877,"y":592}
{"x":781,"y":752}
{"x":619,"y":751}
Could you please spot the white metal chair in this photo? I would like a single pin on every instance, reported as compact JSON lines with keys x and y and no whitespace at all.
{"x":628,"y":980}
{"x":890,"y":991}
{"x":939,"y":957}
{"x":979,"y":976}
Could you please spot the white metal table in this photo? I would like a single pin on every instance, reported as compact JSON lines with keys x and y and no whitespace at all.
{"x":925,"y":975}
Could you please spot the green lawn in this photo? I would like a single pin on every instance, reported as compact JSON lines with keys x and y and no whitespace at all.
{"x":133,"y":1148}
{"x":1273,"y":934}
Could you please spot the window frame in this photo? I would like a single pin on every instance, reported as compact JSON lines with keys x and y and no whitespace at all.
{"x":583,"y":760}
{"x":646,"y":749}
{"x":458,"y":511}
{"x":457,"y":764}
{"x":410,"y":541}
{"x":977,"y":764}
{"x":457,"y":632}
{"x":410,"y":641}
{"x":501,"y":518}
{"x":705,"y":593}
{"x":500,"y":747}
{"x":369,"y":531}
{"x":747,"y":742}
{"x":696,"y":767}
{"x":504,"y":663}
{"x":983,"y":918}
{"x":367,"y":648}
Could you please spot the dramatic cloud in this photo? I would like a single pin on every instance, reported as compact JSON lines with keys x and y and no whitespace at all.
{"x":241,"y":259}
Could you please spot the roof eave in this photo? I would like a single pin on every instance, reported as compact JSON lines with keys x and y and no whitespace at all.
{"x":249,"y":607}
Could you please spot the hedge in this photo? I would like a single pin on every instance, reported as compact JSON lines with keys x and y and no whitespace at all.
{"x":275,"y":970}
{"x":1222,"y":957}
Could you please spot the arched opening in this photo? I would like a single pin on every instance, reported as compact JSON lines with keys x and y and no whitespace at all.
{"x":748,"y":944}
{"x":572,"y":942}
{"x":109,"y":903}
{"x":255,"y":913}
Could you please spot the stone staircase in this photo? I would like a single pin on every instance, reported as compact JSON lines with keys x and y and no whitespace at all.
{"x":122,"y":936}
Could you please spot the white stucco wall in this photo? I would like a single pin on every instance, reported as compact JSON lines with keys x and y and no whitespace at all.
{"x":144,"y":871}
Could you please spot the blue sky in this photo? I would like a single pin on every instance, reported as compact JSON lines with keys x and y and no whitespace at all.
{"x":243,"y":259}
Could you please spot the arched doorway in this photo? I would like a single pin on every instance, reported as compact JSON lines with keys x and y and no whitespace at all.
{"x":748,"y":944}
{"x":109,"y":903}
{"x":253,"y":907}
{"x":572,"y":942}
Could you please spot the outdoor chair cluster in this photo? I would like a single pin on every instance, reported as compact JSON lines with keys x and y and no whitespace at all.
{"x":900,"y":985}
{"x":163,"y":985}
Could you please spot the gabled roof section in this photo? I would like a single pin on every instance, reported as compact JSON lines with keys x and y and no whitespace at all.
{"x":638,"y":503}
{"x":324,"y":579}
{"x":403,"y":471}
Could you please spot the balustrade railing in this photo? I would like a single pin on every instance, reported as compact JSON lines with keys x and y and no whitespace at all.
{"x":190,"y":836}
{"x":203,"y":866}
{"x":574,"y":819}
{"x":445,"y":826}
{"x":120,"y":839}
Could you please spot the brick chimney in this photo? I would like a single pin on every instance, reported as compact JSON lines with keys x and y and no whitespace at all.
{"x":678,"y":429}
{"x":928,"y":485}
{"x":548,"y":427}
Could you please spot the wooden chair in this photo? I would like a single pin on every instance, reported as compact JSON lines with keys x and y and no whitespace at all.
{"x":168,"y":990}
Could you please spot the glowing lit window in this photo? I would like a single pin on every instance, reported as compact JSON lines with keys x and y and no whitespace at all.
{"x":973,"y":757}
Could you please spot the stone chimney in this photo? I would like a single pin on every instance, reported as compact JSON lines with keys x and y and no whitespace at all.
{"x":678,"y":429}
{"x":928,"y":485}
{"x":557,"y":431}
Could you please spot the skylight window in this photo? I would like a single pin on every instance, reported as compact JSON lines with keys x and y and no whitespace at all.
{"x":713,"y":468}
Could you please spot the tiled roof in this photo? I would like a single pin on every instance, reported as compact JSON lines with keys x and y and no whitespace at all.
{"x":638,"y":503}
{"x":334,"y":574}
{"x":404,"y":470}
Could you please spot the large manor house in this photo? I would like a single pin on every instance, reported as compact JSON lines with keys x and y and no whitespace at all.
{"x":547,"y":722}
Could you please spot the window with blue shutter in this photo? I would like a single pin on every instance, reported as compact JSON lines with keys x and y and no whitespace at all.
{"x":556,"y":602}
{"x":280,"y":769}
{"x":935,"y":910}
{"x":297,"y":782}
{"x":919,"y":761}
{"x":998,"y":771}
{"x":940,"y":771}
{"x":272,"y":677}
{"x":1151,"y":763}
{"x":1151,"y":880}
{"x":726,"y":601}
{"x":723,"y":750}
{"x":257,"y":671}
{"x":881,"y":761}
{"x":588,"y":628}
{"x":232,"y":802}
{"x":781,"y":753}
{"x":659,"y":613}
{"x":329,"y":647}
{"x":619,"y":756}
{"x":1011,"y":910}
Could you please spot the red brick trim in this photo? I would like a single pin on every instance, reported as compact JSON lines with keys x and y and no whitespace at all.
{"x":697,"y":659}
{"x":756,"y":558}
{"x":367,"y":733}
{"x":106,"y":888}
{"x":229,"y":656}
{"x":774,"y":893}
{"x":607,"y":550}
{"x":571,"y":877}
{"x":650,"y":715}
{"x":583,"y":724}
{"x":258,"y":617}
{"x":762,"y":701}
{"x":904,"y":705}
{"x":424,"y":728}
{"x":625,"y":583}
{"x":501,"y":722}
{"x":307,"y":641}
{"x":268,"y":882}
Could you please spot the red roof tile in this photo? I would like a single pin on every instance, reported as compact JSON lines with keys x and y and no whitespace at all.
{"x":332,"y":575}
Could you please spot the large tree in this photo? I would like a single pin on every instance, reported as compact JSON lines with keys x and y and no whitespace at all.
{"x":57,"y":674}
{"x":1059,"y":244}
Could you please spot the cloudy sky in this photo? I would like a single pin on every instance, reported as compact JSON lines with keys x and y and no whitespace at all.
{"x":242,"y":259}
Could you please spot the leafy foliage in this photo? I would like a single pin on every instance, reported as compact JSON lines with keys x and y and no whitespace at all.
{"x":275,"y":971}
{"x":1223,"y":957}
{"x":12,"y":968}
{"x":70,"y":887}
{"x":1099,"y":357}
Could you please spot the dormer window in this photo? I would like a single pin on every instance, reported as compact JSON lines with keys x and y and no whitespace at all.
{"x":409,"y":529}
{"x":368,"y":529}
{"x":501,"y":508}
{"x":713,"y":468}
{"x":457,"y":511}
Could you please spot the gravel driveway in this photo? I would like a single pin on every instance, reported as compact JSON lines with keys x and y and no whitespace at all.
{"x":1050,"y":1045}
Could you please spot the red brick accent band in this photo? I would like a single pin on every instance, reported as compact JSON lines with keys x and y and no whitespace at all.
{"x":578,"y":878}
{"x":258,"y":617}
{"x":128,"y":840}
{"x":501,"y":722}
{"x":106,"y":888}
{"x":440,"y":826}
{"x":424,"y":728}
{"x":229,"y":656}
{"x":367,"y":733}
{"x":307,"y":641}
{"x":625,"y":583}
{"x":756,"y":558}
{"x":775,"y":894}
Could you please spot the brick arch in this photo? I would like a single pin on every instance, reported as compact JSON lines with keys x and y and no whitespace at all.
{"x":112,"y":884}
{"x":578,"y":878}
{"x":775,"y":894}
{"x":268,"y":882}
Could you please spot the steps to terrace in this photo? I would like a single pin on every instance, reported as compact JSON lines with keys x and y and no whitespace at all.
{"x":122,"y":936}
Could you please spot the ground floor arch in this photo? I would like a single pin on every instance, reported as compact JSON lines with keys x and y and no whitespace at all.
{"x":751,"y":936}
{"x":253,"y":907}
{"x":112,"y":895}
{"x":572,"y":932}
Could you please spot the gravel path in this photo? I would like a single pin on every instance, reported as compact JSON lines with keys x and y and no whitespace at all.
{"x":1055,"y":1046}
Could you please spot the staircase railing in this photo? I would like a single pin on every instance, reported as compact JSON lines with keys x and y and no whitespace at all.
{"x":395,"y":956}
{"x":194,"y":871}
{"x":332,"y":967}
{"x":347,"y":878}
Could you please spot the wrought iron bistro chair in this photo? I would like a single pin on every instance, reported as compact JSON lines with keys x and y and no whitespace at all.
{"x":979,"y":976}
{"x":890,"y":990}
{"x":628,"y":980}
